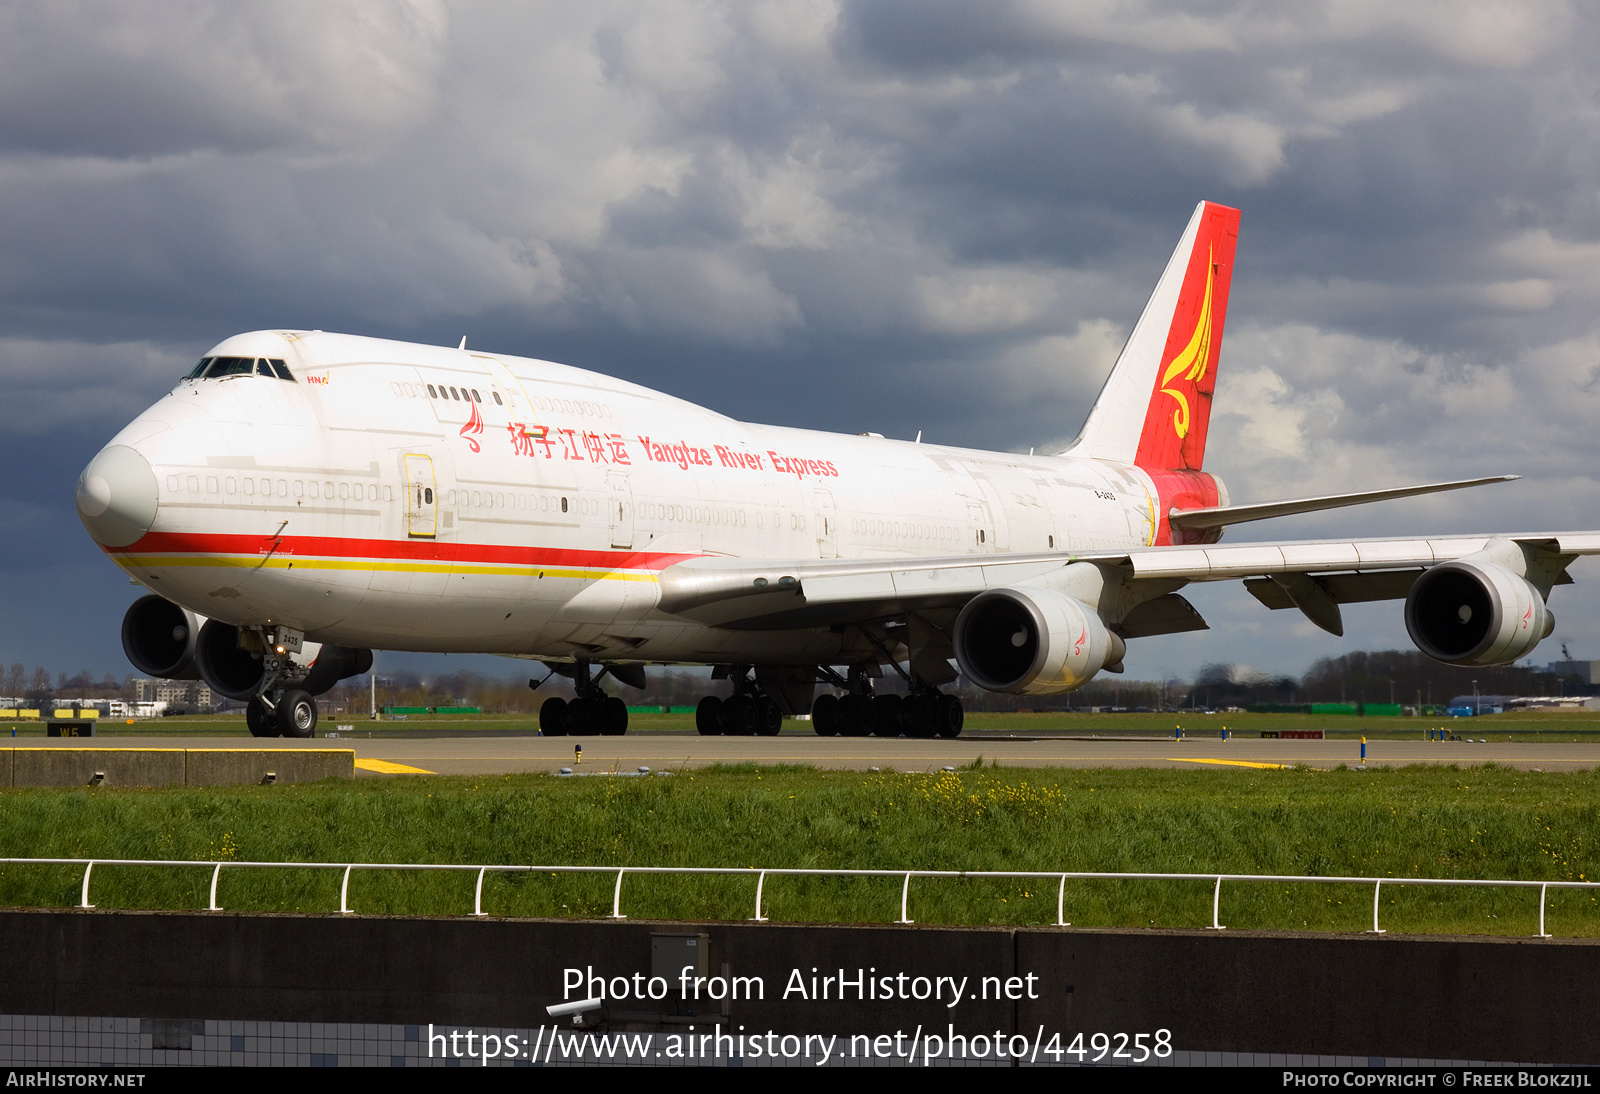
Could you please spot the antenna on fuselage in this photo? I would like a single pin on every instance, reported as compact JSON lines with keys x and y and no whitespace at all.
{"x":463,"y":344}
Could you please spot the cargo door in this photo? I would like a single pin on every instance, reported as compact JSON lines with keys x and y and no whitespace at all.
{"x":621,"y":500}
{"x":827,"y":524}
{"x":422,"y":512}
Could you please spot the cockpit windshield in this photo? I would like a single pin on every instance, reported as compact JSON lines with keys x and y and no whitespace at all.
{"x":212,"y":368}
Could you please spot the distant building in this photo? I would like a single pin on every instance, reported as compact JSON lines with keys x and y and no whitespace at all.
{"x":187,"y":696}
{"x":1587,"y":672}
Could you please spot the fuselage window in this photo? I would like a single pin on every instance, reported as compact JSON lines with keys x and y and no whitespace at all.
{"x":211,"y":484}
{"x":282,"y":370}
{"x":432,"y":394}
{"x":198,"y":370}
{"x":315,"y":488}
{"x":250,"y":487}
{"x":344,"y":490}
{"x":497,"y":401}
{"x":427,"y":496}
{"x":476,"y":397}
{"x":283,"y":488}
{"x":194,"y":485}
{"x":297,"y":488}
{"x":231,"y":486}
{"x":563,"y":505}
{"x":456,"y":395}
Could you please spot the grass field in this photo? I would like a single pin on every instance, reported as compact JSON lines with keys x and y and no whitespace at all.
{"x":1485,"y":822}
{"x":1522,"y":726}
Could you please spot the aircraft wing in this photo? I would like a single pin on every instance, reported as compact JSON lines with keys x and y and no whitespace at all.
{"x":1311,"y":575}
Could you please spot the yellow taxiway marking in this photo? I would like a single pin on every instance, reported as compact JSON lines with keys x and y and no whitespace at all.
{"x":384,"y":767}
{"x":1226,"y":763}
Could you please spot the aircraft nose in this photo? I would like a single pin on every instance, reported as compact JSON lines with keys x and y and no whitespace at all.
{"x":117,"y":496}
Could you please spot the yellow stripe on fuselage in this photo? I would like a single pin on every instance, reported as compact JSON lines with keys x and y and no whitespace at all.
{"x":284,"y":562}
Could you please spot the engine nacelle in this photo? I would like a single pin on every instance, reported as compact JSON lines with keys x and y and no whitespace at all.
{"x":1032,"y":641}
{"x":236,"y":671}
{"x":1476,"y":613}
{"x":160,"y":638}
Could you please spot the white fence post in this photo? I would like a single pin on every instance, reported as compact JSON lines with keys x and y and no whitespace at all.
{"x":1376,"y":889}
{"x":1061,"y":895}
{"x":1216,"y":902}
{"x":344,"y":893}
{"x":477,"y":895}
{"x":761,"y":881}
{"x":905,"y":892}
{"x":215,"y":874}
{"x":616,"y":900}
{"x":84,"y":903}
{"x":1541,"y":933}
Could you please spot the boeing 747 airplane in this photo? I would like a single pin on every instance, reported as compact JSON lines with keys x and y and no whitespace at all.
{"x":302,"y":498}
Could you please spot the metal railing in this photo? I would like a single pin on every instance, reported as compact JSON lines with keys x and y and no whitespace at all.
{"x":761,"y":876}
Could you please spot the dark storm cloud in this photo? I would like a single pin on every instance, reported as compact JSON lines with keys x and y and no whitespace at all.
{"x":888,"y":216}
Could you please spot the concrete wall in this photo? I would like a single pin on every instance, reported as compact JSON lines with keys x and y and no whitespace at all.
{"x":24,"y":767}
{"x":1467,"y":998}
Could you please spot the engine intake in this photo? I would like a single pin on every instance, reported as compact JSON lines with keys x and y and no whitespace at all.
{"x":1467,"y":613}
{"x":1032,"y":641}
{"x":159,"y":638}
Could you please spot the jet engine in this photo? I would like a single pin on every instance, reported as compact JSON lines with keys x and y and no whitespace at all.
{"x":1032,"y":641}
{"x":236,"y":670}
{"x":1476,"y":613}
{"x":159,"y":638}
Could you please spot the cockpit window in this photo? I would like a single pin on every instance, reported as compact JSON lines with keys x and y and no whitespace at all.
{"x":198,"y":370}
{"x":230,"y":366}
{"x":262,"y":368}
{"x":282,"y":370}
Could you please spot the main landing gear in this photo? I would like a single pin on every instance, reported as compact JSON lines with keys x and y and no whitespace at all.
{"x":749,"y":712}
{"x":924,"y":713}
{"x":592,"y":712}
{"x":292,"y":714}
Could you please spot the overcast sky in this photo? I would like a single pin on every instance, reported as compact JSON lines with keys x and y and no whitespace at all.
{"x":896,"y":216}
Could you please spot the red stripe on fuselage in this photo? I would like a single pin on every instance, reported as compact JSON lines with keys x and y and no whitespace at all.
{"x":416,"y":550}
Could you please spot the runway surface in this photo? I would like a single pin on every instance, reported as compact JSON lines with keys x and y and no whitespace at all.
{"x":500,"y":754}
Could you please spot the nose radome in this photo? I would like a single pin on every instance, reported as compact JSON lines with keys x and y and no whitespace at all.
{"x":117,"y":496}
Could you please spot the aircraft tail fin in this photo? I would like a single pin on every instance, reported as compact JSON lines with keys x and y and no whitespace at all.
{"x":1156,"y":405}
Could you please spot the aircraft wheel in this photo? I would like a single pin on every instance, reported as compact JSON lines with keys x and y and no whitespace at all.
{"x":886,"y":715}
{"x":260,"y":723}
{"x":553,"y":717}
{"x":708,"y":716}
{"x":951,"y":716}
{"x":581,"y":718}
{"x":769,"y":719}
{"x":922,"y":716}
{"x":825,"y":715}
{"x":855,"y":716}
{"x":297,"y":714}
{"x":613,"y":717}
{"x":740,"y":716}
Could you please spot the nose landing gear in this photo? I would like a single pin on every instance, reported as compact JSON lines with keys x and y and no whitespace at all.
{"x":292,"y":714}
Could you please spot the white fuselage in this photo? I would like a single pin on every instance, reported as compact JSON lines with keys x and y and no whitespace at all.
{"x":355,"y":506}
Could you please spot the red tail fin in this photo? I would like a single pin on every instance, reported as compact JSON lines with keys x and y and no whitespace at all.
{"x":1156,"y":405}
{"x":1174,"y":433}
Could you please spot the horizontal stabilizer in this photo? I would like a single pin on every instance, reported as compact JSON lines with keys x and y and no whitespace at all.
{"x":1223,"y":515}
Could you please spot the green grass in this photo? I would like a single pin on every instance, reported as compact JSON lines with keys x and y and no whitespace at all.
{"x":1486,"y":822}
